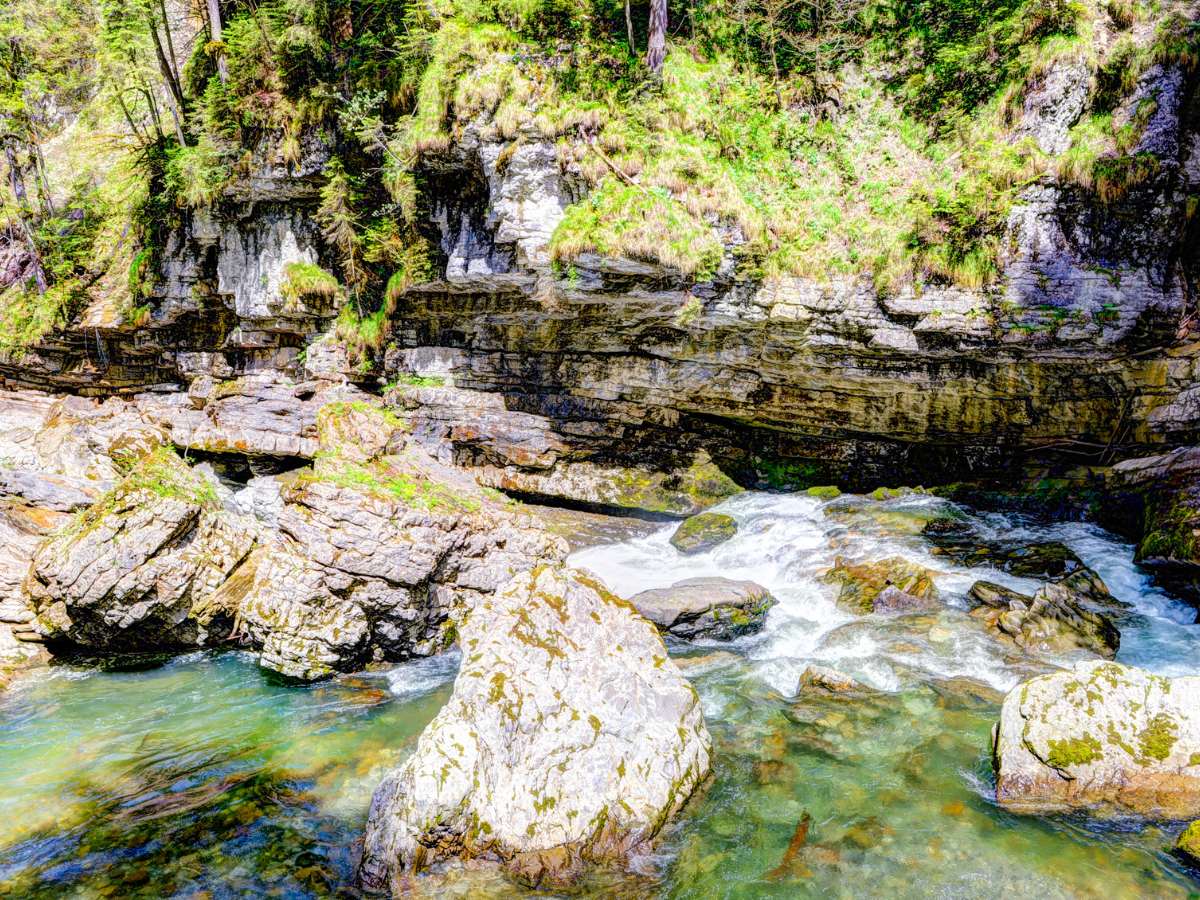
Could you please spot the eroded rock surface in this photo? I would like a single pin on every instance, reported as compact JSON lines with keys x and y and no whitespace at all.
{"x":1067,"y":616}
{"x":893,"y":585}
{"x":133,"y":571}
{"x":570,"y":738}
{"x":1102,"y":737}
{"x":717,"y":608}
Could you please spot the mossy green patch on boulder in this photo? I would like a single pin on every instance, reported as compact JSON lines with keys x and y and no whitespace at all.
{"x":1188,"y":845}
{"x":862,"y":584}
{"x":824,"y":492}
{"x":703,"y":532}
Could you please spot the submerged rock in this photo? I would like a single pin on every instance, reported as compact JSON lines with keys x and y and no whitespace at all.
{"x":718,"y":608}
{"x":570,"y":738}
{"x":703,"y":532}
{"x":823,"y":680}
{"x":1104,"y":737}
{"x":889,"y":585}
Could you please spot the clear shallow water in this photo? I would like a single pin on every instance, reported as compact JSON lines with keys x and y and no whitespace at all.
{"x":206,"y":778}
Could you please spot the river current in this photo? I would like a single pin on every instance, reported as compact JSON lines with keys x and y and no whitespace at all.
{"x":201,"y":776}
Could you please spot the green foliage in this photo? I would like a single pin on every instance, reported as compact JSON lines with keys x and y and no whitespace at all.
{"x":304,"y":280}
{"x":966,"y":50}
{"x":196,"y":176}
{"x":626,"y":220}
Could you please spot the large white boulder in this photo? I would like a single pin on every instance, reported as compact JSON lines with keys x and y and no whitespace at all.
{"x":570,"y":738}
{"x":1103,"y":736}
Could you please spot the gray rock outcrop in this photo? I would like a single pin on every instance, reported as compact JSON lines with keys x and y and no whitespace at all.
{"x":136,"y":571}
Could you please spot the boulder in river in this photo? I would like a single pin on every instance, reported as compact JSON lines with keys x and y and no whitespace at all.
{"x":864,"y":587}
{"x":717,"y":608}
{"x":1105,"y":737}
{"x":1043,"y":559}
{"x":570,"y":738}
{"x":1060,"y":617}
{"x":703,"y":532}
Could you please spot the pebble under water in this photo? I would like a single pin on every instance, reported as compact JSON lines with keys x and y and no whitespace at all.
{"x":204,"y":777}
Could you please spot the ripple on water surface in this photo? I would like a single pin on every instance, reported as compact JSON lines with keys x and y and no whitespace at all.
{"x":204,"y":777}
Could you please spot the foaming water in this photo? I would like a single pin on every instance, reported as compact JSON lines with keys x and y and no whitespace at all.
{"x":205,"y":777}
{"x":786,"y":542}
{"x":897,"y":787}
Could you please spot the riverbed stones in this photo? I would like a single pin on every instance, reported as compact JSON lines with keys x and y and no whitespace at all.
{"x":1104,"y":737}
{"x":889,"y":585}
{"x":570,"y":738}
{"x":703,"y":532}
{"x":716,"y":608}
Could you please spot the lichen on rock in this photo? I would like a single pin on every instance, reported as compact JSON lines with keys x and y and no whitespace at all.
{"x":1103,"y":737}
{"x":570,"y":739}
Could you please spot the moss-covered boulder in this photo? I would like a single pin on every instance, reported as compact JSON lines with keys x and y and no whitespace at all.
{"x":1188,"y":844}
{"x":703,"y":532}
{"x":570,"y":739}
{"x":1103,"y":737}
{"x":716,"y":608}
{"x":869,"y":587}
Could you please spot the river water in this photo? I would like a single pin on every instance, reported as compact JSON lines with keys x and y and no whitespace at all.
{"x":203,"y":777}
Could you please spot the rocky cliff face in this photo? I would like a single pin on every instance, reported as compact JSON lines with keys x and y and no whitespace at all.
{"x":553,"y":379}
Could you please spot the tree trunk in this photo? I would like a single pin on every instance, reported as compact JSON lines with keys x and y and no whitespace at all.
{"x":629,"y":27}
{"x":214,"y":33}
{"x":16,"y":177}
{"x":162,"y":6}
{"x":656,"y":47}
{"x":16,"y":180}
{"x":174,"y":91}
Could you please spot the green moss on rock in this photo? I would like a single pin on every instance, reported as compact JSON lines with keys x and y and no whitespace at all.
{"x":824,"y":492}
{"x":1074,"y":752}
{"x":703,"y":532}
{"x":1188,"y":845}
{"x":1157,"y":738}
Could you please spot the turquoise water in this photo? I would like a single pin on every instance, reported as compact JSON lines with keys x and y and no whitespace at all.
{"x":204,"y":777}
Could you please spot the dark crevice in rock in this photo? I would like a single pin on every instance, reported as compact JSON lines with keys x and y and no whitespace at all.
{"x":581,"y":506}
